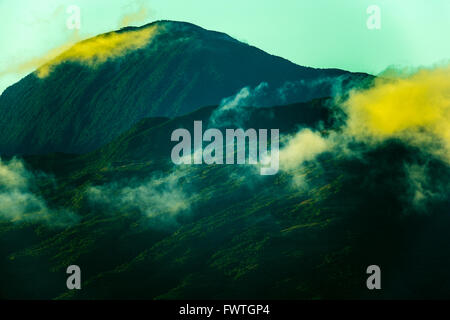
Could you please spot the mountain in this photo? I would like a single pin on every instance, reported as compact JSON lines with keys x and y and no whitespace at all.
{"x":102,"y":86}
{"x":86,"y":179}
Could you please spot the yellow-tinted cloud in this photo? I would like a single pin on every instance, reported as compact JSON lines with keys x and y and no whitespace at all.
{"x":414,"y":109}
{"x":97,"y":50}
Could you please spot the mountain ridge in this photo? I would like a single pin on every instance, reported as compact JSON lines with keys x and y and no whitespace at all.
{"x":79,"y":107}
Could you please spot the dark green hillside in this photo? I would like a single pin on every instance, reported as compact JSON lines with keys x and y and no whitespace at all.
{"x":243,"y":235}
{"x":78,"y":108}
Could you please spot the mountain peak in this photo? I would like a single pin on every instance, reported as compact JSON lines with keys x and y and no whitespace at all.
{"x":102,"y":86}
{"x":181,"y":28}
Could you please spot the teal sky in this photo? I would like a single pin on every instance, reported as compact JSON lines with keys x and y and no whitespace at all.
{"x":317,"y":33}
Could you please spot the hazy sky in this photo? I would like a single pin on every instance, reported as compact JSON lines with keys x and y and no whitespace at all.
{"x":317,"y":33}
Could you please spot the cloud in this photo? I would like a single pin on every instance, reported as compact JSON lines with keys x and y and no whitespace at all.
{"x":414,"y":109}
{"x":306,"y":145}
{"x":91,"y":52}
{"x":41,"y":22}
{"x":234,"y":110}
{"x":140,"y":15}
{"x":18,"y":203}
{"x":96,"y":51}
{"x":160,"y":198}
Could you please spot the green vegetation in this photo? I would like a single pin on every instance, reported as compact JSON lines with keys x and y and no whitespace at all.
{"x":244,"y":236}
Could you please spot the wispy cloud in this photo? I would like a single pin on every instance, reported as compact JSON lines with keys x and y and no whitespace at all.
{"x":232,"y":110}
{"x":20,"y":203}
{"x":140,"y":14}
{"x":160,"y":198}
